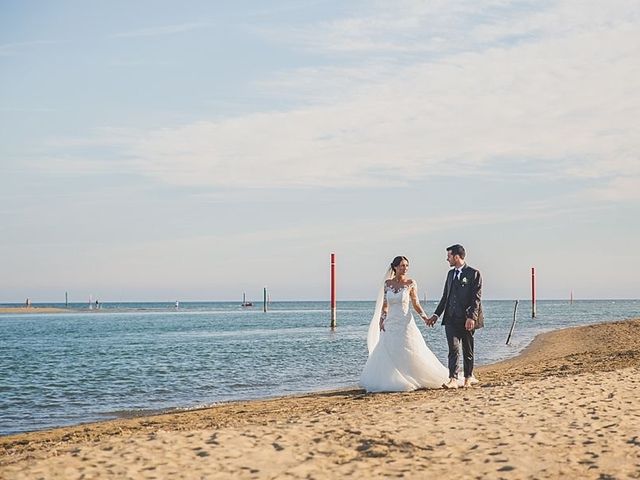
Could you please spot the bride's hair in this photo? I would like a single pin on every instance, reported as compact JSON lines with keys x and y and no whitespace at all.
{"x":396,"y":261}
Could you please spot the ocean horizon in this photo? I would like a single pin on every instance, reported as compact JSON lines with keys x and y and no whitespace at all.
{"x":136,"y":358}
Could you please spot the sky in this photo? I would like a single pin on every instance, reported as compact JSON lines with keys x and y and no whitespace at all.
{"x":195,"y":150}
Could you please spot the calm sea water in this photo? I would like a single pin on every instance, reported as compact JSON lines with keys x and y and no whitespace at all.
{"x":136,"y":358}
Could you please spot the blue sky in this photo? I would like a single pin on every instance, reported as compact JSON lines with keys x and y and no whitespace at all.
{"x":196,"y":150}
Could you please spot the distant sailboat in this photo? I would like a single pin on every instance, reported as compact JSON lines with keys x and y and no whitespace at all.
{"x":244,"y":301}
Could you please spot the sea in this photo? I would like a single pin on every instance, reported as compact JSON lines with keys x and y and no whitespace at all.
{"x":130,"y":359}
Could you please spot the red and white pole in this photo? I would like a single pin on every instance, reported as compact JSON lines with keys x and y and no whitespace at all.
{"x":333,"y":290}
{"x":533,"y":292}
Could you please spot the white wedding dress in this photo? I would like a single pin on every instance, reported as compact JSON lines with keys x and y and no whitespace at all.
{"x":399,"y":360}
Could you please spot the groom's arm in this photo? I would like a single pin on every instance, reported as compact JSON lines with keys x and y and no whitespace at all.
{"x":443,"y":300}
{"x":476,"y":296}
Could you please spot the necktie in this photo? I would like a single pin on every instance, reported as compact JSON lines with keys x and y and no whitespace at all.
{"x":456,"y":274}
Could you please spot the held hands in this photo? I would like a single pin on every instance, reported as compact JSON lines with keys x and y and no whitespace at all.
{"x":431,"y":321}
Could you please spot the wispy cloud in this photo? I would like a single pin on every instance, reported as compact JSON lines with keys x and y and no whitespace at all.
{"x":27,"y":109}
{"x":17,"y":48}
{"x":564,"y":100}
{"x":411,"y":27}
{"x":618,"y":189}
{"x":162,"y":30}
{"x":446,"y":27}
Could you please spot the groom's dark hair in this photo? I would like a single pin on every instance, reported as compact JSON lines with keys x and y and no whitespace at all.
{"x":457,"y":249}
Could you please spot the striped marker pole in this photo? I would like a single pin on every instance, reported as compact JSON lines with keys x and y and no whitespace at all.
{"x":533,"y":292}
{"x":333,"y":291}
{"x":264,"y":300}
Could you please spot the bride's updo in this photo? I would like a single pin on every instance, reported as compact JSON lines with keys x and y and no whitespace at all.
{"x":396,"y":261}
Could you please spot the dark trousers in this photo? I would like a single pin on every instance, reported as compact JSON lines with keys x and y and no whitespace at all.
{"x":456,"y":335}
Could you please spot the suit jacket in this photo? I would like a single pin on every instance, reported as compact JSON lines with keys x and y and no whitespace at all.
{"x":470,"y":292}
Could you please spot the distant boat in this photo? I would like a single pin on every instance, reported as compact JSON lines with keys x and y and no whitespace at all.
{"x":244,"y":301}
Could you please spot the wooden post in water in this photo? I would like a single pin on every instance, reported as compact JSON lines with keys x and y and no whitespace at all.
{"x":264,"y":300}
{"x":333,"y":291}
{"x":571,"y":299}
{"x":66,"y":299}
{"x":515,"y":311}
{"x":533,"y":292}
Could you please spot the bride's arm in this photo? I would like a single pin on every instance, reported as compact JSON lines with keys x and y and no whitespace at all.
{"x":416,"y":301}
{"x":383,"y":314}
{"x":385,"y":308}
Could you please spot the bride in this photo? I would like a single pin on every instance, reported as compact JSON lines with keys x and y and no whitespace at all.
{"x":399,"y":359}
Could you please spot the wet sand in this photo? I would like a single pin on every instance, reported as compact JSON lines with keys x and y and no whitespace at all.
{"x":567,"y":407}
{"x":33,"y":310}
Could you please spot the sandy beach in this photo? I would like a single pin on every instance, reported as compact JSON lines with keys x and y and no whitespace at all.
{"x":566,"y":407}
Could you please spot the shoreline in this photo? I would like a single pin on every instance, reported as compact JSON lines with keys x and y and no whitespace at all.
{"x":131,"y":415}
{"x":557,"y":360}
{"x":537,"y":344}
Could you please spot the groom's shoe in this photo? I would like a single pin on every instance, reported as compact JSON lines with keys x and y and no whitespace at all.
{"x":470,"y":381}
{"x":452,"y":383}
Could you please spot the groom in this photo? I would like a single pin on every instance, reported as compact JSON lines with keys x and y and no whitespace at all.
{"x":462,"y":314}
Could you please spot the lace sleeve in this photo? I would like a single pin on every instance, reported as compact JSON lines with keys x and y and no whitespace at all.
{"x":373,"y":334}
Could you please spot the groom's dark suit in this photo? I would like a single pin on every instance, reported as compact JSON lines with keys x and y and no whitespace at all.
{"x":461,"y":300}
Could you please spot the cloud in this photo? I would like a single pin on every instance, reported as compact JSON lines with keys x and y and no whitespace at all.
{"x":162,"y":30}
{"x":381,"y":28}
{"x":535,"y":101}
{"x":618,"y":189}
{"x":445,"y":27}
{"x":17,"y":48}
{"x":26,"y":109}
{"x":562,"y":99}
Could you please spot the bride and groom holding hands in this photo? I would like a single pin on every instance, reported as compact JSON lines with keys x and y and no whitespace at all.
{"x":399,"y":359}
